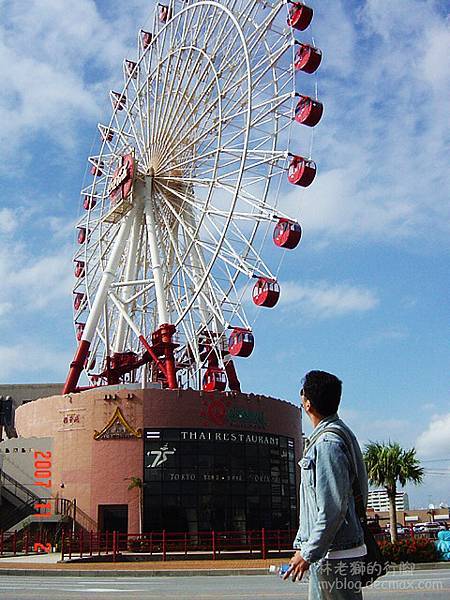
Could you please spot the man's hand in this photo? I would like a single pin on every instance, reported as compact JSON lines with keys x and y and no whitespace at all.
{"x":298,"y":566}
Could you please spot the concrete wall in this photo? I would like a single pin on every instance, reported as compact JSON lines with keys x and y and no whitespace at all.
{"x":18,"y":459}
{"x":23,"y":392}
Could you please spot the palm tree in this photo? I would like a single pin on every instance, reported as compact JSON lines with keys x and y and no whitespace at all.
{"x":136,"y":482}
{"x":388,"y":464}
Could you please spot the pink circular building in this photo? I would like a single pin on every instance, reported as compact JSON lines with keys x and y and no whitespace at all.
{"x":199,"y":461}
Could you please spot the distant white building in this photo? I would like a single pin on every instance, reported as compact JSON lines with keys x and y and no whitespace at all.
{"x":379,"y":501}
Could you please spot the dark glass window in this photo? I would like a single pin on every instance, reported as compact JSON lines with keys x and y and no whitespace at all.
{"x":197,"y":480}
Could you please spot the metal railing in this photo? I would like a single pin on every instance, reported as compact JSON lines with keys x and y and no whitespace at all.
{"x":70,"y":509}
{"x":24,"y":543}
{"x":46,"y":509}
{"x":162,"y":545}
{"x":157,"y":546}
{"x":15,"y":488}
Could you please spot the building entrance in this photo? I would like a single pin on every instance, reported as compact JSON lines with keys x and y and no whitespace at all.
{"x":113,"y":517}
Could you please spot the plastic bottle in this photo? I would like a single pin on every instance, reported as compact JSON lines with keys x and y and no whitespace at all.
{"x":279,"y":570}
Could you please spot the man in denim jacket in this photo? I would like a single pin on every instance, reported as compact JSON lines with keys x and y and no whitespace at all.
{"x":330,"y":539}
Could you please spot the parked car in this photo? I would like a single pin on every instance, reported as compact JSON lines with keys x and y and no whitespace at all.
{"x":430,"y":527}
{"x":400,"y":529}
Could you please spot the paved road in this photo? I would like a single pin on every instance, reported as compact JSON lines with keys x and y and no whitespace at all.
{"x":418,"y":585}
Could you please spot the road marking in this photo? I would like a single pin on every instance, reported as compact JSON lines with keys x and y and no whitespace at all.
{"x":103,"y":590}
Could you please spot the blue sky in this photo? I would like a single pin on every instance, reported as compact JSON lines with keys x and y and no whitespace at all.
{"x":366,"y":293}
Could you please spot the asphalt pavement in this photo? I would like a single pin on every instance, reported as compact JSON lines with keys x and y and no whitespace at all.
{"x":411,"y":585}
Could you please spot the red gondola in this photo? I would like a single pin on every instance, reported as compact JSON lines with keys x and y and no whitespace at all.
{"x":266,"y":292}
{"x":118,"y":100}
{"x":307,"y":58}
{"x":78,"y":300}
{"x":301,"y":171}
{"x":308,"y":111}
{"x":241,"y":342}
{"x":300,"y":16}
{"x":214,"y":380}
{"x":131,"y":68}
{"x":89,"y":202}
{"x":79,"y":268}
{"x":164,"y":13}
{"x":146,"y":37}
{"x":287,"y":234}
{"x":80,"y":330}
{"x":96,"y":169}
{"x":81,"y":237}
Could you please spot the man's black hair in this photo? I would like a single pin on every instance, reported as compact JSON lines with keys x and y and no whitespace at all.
{"x":323,"y":390}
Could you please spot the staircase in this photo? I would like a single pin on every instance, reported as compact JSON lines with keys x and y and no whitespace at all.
{"x":19,"y":501}
{"x":19,"y":508}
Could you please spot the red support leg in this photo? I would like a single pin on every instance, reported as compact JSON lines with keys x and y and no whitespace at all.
{"x":233,"y":380}
{"x":76,"y":367}
{"x":167,"y":332}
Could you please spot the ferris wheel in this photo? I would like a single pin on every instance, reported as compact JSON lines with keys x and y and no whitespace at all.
{"x":184,"y":189}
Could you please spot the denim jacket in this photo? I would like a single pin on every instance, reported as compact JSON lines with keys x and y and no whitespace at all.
{"x":328,"y":519}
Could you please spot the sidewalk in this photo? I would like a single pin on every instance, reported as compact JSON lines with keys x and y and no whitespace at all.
{"x":47,"y":564}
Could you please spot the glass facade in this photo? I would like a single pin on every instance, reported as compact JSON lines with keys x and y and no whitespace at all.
{"x":203,"y":479}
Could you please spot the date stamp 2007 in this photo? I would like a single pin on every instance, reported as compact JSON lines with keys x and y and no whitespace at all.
{"x":43,"y":478}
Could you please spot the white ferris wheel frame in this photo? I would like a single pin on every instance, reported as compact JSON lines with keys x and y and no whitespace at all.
{"x":110,"y":262}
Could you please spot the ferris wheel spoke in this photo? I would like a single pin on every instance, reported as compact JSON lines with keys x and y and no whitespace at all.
{"x":188,"y":229}
{"x":185,"y":146}
{"x":185,"y":198}
{"x":178,"y":105}
{"x":137,"y":101}
{"x":230,"y":256}
{"x":251,"y":200}
{"x":190,"y":282}
{"x":231,"y":259}
{"x":272,"y":103}
{"x":165,"y":102}
{"x":253,"y":256}
{"x":214,"y":241}
{"x":153,"y":128}
{"x":191,"y":275}
{"x":266,"y":157}
{"x":139,"y":140}
{"x":181,"y":116}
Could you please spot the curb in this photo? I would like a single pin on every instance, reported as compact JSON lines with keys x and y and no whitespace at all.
{"x":62,"y":572}
{"x":420,"y":566}
{"x":141,"y":573}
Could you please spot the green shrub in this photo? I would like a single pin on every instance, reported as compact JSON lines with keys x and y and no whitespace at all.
{"x":134,"y":545}
{"x":412,"y":550}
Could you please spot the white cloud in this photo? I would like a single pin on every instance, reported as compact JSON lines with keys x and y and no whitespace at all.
{"x":5,"y":307}
{"x":324,"y":300}
{"x":38,"y":358}
{"x":385,"y":336}
{"x":434,"y":442}
{"x":381,"y":147}
{"x":8,"y":221}
{"x":33,"y":281}
{"x":47,"y":56}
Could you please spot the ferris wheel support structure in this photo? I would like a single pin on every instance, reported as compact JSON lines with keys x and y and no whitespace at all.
{"x":77,"y":365}
{"x":130,"y":275}
{"x":163,"y":315}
